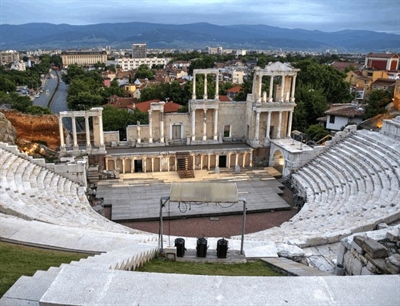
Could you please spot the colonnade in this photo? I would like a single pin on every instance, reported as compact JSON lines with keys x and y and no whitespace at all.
{"x":193,"y":116}
{"x":169,"y":162}
{"x":96,"y":114}
{"x":268,"y":128}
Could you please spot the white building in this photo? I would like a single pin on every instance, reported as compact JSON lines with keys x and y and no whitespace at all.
{"x":341,"y":115}
{"x":127,"y":63}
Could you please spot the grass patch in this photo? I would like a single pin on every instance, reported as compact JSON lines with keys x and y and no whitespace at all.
{"x":253,"y":268}
{"x":18,"y":260}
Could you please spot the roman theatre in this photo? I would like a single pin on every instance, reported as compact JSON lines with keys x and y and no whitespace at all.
{"x":219,"y":158}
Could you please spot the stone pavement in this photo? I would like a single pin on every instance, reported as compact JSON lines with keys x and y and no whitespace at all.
{"x":137,"y":196}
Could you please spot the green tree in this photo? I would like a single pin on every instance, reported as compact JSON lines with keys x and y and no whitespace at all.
{"x":376,"y":103}
{"x":37,"y":110}
{"x":144,"y":72}
{"x":118,"y":119}
{"x":20,"y":103}
{"x":316,"y":132}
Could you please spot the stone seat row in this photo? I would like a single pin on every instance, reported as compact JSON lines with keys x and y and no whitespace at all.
{"x":34,"y":192}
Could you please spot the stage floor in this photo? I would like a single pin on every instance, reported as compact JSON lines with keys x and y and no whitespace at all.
{"x":137,"y":196}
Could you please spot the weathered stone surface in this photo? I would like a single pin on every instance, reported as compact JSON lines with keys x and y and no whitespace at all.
{"x":379,"y":263}
{"x":342,"y":251}
{"x":365,"y":271}
{"x":394,"y":260}
{"x":356,"y":247}
{"x":290,"y":251}
{"x":372,"y":247}
{"x":393,"y":263}
{"x":393,"y":234}
{"x":8,"y":133}
{"x":381,"y":226}
{"x":352,"y":264}
{"x":372,"y":268}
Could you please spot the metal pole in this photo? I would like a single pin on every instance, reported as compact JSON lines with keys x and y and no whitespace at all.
{"x":161,"y":227}
{"x":243,"y":225}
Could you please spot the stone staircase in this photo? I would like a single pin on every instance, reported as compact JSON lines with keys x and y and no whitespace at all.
{"x":185,"y":165}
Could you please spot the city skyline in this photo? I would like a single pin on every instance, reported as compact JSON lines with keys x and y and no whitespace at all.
{"x":326,"y":16}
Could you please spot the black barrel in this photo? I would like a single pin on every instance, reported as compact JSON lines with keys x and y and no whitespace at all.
{"x":180,"y":247}
{"x":222,"y":248}
{"x":201,"y":247}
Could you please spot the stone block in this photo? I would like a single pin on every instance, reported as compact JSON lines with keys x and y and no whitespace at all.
{"x":379,"y":263}
{"x":394,"y":260}
{"x":391,"y":267}
{"x":372,"y":247}
{"x":393,"y":234}
{"x":381,"y":226}
{"x":372,"y":268}
{"x":356,"y":247}
{"x":342,"y":251}
{"x":365,"y":271}
{"x":352,"y":264}
{"x":290,"y":251}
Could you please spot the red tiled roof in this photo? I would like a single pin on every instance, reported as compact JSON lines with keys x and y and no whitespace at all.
{"x":384,"y":81}
{"x":341,"y":66}
{"x":224,"y":98}
{"x":234,"y":89}
{"x":169,"y":107}
{"x":119,"y":102}
{"x":346,"y":110}
{"x":382,"y":55}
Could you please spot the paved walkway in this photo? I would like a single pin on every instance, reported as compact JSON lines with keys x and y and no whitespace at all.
{"x":291,"y":267}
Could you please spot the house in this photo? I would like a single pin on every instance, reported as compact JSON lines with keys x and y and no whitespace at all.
{"x":233,"y":92}
{"x":340,"y":115}
{"x":382,"y":61}
{"x":342,"y":66}
{"x":121,"y":103}
{"x":382,"y":84}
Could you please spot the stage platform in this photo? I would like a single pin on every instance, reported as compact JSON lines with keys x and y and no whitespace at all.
{"x":137,"y":196}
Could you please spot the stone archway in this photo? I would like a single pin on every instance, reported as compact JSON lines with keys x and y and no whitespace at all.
{"x":278,"y":161}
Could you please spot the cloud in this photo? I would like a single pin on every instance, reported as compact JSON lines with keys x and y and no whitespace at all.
{"x":327,"y":15}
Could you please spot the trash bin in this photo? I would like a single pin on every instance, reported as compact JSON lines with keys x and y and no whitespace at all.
{"x":201,"y":247}
{"x":222,"y":248}
{"x":180,"y":247}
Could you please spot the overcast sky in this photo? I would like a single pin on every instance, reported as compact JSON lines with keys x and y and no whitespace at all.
{"x":324,"y":15}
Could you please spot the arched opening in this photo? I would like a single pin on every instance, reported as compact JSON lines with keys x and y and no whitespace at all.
{"x":278,"y":161}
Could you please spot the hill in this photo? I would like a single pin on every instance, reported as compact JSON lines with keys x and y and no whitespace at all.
{"x":195,"y":35}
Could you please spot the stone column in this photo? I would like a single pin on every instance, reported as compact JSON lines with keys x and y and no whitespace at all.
{"x":193,"y":124}
{"x":237,"y":159}
{"x":87,"y":130}
{"x":279,"y":125}
{"x":216,"y":124}
{"x":194,"y":87}
{"x":208,"y":162}
{"x":251,"y":159}
{"x":216,"y":86}
{"x":101,"y":130}
{"x":205,"y":86}
{"x":138,"y":133}
{"x":289,"y":131}
{"x":205,"y":124}
{"x":244,"y":159}
{"x":228,"y":160}
{"x":168,"y":163}
{"x":106,"y":162}
{"x":268,"y":125}
{"x":259,"y":88}
{"x":201,"y":161}
{"x":176,"y":164}
{"x":282,"y":88}
{"x":293,"y":88}
{"x":61,"y":128}
{"x":257,"y":125}
{"x":216,"y":160}
{"x":194,"y":162}
{"x":152,"y":164}
{"x":162,"y":126}
{"x":144,"y":164}
{"x":76,"y":147}
{"x":123,"y":165}
{"x":271,"y":87}
{"x":132,"y":165}
{"x":264,"y":99}
{"x":150,"y":128}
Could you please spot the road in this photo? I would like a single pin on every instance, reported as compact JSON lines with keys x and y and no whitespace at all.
{"x":54,"y":96}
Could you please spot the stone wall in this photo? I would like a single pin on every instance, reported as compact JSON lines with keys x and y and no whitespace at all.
{"x":371,"y":253}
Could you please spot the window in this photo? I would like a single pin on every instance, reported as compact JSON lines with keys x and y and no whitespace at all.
{"x":227,"y":131}
{"x":332,"y":119}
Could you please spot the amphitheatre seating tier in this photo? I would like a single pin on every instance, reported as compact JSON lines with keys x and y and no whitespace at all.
{"x":33,"y":192}
{"x":350,"y":187}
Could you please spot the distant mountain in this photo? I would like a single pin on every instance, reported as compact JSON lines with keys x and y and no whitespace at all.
{"x":195,"y":35}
